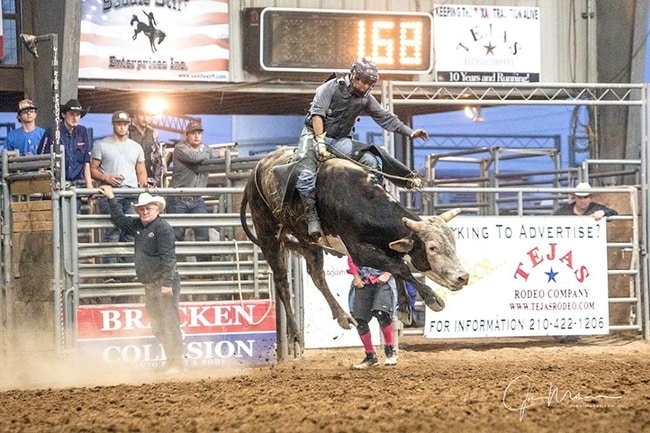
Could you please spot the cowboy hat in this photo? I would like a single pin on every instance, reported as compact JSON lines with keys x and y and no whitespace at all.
{"x":145,"y":199}
{"x":73,"y":105}
{"x":583,"y":190}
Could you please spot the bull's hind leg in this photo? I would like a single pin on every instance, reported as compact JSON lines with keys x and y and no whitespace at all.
{"x":315,"y":262}
{"x":276,"y":258}
{"x":275,"y":255}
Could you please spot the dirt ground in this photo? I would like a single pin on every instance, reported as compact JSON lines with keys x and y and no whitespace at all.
{"x":599,"y":384}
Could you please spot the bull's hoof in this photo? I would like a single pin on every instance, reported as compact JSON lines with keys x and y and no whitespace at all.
{"x":346,"y":322}
{"x":435,"y":302}
{"x":406,"y":317}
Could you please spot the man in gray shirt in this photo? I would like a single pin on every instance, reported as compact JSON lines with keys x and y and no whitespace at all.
{"x":118,"y":161}
{"x":188,"y":155}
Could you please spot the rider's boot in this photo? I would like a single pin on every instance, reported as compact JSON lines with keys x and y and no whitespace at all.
{"x":313,"y":223}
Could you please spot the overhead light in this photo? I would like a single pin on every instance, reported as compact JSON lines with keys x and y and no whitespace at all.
{"x":474,"y":113}
{"x":155,"y":106}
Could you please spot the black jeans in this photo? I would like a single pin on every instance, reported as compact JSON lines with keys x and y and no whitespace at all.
{"x":164,"y":319}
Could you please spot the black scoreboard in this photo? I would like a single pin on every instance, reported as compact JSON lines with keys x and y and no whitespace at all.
{"x":322,"y":40}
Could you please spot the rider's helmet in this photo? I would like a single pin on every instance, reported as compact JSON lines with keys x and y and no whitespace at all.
{"x":363,"y":76}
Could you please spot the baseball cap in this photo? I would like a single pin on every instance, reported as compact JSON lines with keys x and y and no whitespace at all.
{"x":193,"y":125}
{"x":26,"y":104}
{"x":121,"y":116}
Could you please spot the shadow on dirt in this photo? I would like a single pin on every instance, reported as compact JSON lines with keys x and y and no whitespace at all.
{"x":418,"y":343}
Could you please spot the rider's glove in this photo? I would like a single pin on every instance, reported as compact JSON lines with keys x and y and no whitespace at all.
{"x":413,"y":182}
{"x":321,"y":148}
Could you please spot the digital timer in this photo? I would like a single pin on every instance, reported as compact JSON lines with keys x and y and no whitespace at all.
{"x":321,"y":40}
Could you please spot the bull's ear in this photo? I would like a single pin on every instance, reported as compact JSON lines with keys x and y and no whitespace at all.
{"x":446,"y":216}
{"x":413,"y":225}
{"x":403,"y":245}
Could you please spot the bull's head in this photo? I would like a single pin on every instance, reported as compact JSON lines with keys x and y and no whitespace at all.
{"x":438,"y":261}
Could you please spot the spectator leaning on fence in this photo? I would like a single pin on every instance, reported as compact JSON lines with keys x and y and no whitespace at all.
{"x":582,"y":204}
{"x":155,"y":266}
{"x":118,"y":161}
{"x":187,"y":158}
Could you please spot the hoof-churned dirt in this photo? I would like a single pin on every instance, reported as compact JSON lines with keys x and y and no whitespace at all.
{"x":594,"y":385}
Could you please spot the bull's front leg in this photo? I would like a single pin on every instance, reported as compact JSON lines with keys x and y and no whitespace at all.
{"x":430,"y":298}
{"x":315,"y":263}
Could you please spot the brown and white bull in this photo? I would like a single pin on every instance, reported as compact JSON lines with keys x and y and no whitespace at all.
{"x":374,"y":228}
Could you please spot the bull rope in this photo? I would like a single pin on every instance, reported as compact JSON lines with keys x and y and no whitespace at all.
{"x":336,"y":154}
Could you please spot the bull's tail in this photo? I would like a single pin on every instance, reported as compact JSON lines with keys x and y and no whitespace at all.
{"x":242,"y":217}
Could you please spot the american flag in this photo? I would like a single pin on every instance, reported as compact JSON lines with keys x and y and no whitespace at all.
{"x":183,"y":40}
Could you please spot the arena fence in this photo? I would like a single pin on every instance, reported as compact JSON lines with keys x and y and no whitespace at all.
{"x":39,"y":215}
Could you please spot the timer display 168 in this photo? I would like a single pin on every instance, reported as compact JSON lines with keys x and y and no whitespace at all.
{"x":312,"y":40}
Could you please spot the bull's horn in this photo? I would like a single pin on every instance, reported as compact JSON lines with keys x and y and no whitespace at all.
{"x":446,"y":216}
{"x":415,"y":226}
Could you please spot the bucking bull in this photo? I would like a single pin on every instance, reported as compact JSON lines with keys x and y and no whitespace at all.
{"x":362,"y":219}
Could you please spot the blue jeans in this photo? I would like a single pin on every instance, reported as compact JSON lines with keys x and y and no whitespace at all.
{"x":344,"y":146}
{"x":306,"y":181}
{"x":191,"y":205}
{"x":114,"y":234}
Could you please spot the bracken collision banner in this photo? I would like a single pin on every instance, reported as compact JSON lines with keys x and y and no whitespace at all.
{"x":155,"y":40}
{"x":529,"y":276}
{"x":478,"y":43}
{"x":214,"y":333}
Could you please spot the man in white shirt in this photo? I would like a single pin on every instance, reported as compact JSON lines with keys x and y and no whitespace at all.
{"x":118,"y":161}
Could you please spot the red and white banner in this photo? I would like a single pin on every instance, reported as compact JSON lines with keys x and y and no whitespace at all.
{"x":214,"y":333}
{"x":174,"y":40}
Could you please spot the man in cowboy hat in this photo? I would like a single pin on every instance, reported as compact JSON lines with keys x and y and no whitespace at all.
{"x":155,"y":267}
{"x":582,"y":204}
{"x":26,"y":138}
{"x":76,"y":143}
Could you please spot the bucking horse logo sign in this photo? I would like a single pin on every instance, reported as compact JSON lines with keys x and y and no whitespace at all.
{"x":149,"y":30}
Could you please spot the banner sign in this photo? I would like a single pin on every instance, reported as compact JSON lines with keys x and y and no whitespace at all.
{"x":321,"y":330}
{"x":214,"y":333}
{"x":478,"y":43}
{"x":529,"y":276}
{"x":178,"y":40}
